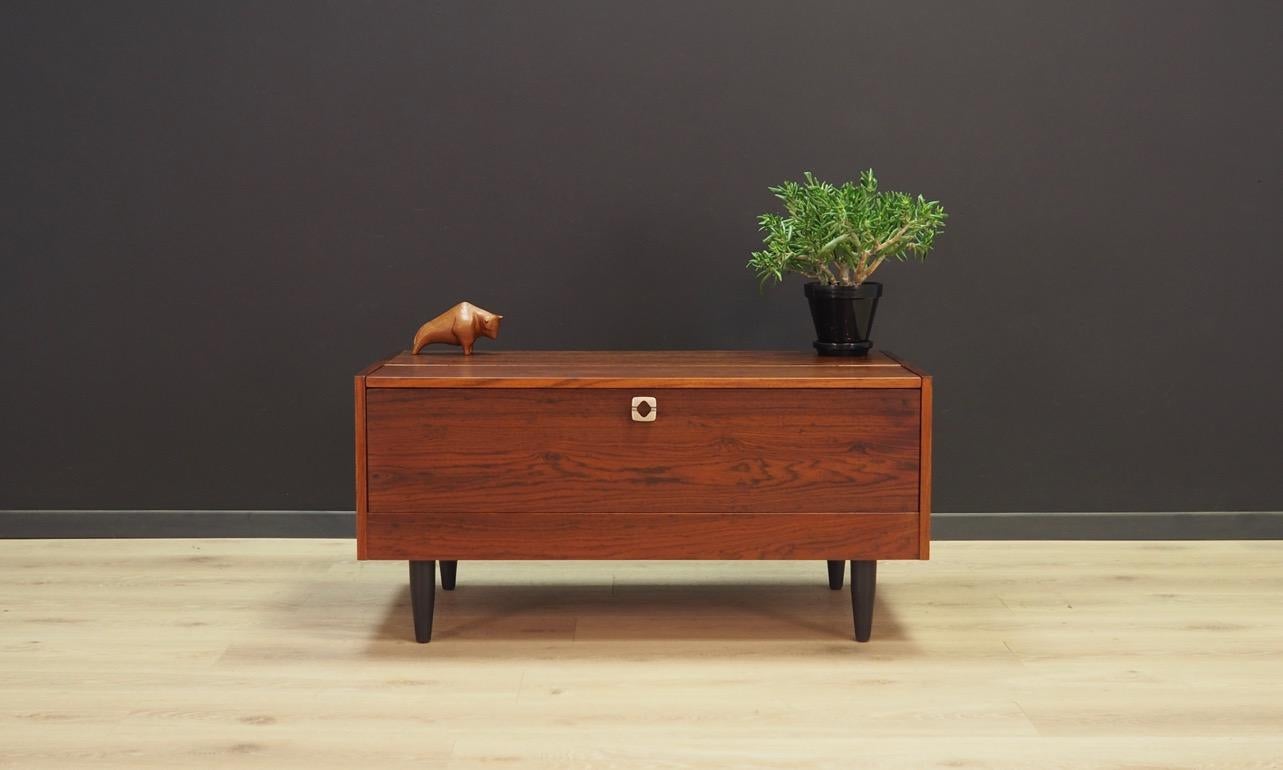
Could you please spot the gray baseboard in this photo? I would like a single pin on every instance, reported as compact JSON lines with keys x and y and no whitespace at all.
{"x":1204,"y":525}
{"x":96,"y":524}
{"x":1253,"y":525}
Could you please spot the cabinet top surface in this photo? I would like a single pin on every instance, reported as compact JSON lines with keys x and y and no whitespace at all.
{"x":626,"y":369}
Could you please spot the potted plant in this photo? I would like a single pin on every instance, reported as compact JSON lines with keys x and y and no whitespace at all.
{"x":839,"y":235}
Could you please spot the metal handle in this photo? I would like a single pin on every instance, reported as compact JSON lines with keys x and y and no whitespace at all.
{"x":648,"y":401}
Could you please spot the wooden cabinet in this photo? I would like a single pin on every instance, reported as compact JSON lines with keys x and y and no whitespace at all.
{"x":641,"y":455}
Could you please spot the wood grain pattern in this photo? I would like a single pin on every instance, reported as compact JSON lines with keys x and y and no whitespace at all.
{"x":924,"y":470}
{"x":709,"y":451}
{"x":471,"y":536}
{"x":628,"y":358}
{"x":362,"y":504}
{"x":925,"y":451}
{"x":640,"y":369}
{"x":362,"y":501}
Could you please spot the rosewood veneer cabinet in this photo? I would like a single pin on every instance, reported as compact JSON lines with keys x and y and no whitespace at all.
{"x":642,"y":455}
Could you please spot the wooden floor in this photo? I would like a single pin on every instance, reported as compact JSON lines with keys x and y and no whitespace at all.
{"x":288,"y":653}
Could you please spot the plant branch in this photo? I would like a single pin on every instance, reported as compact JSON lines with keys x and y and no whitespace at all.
{"x":892,"y":239}
{"x":829,"y":231}
{"x":861,"y":277}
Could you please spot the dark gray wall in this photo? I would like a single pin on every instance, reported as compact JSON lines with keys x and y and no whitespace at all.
{"x":213,"y":213}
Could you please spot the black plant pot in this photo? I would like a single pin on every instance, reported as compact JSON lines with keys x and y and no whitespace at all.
{"x":843,"y":317}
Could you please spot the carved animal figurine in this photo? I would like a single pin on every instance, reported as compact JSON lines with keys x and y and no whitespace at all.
{"x":460,"y":325}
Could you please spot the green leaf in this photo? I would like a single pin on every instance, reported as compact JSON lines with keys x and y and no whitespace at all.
{"x":847,"y":226}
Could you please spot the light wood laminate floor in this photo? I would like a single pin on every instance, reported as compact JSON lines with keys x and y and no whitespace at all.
{"x":289,"y":653}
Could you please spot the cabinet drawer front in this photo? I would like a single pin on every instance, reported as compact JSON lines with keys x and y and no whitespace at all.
{"x":582,"y":451}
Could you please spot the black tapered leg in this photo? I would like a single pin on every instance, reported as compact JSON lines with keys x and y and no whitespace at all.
{"x":448,"y":571}
{"x":837,"y":570}
{"x":864,"y":581}
{"x":423,"y":597}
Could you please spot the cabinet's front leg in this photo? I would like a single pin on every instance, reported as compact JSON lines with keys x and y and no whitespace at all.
{"x":423,"y":597}
{"x":448,"y":571}
{"x":864,"y":580}
{"x":837,"y":570}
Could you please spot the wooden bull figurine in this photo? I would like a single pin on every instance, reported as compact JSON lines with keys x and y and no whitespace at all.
{"x":460,"y":325}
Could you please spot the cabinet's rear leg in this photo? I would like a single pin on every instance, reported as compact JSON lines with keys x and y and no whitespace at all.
{"x":448,"y":571}
{"x":423,"y":597}
{"x":837,"y":570}
{"x":864,"y":580}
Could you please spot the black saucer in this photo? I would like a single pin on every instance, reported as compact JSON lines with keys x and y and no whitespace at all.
{"x":843,"y":348}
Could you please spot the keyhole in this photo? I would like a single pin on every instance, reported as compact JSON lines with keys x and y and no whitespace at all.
{"x":644,"y":409}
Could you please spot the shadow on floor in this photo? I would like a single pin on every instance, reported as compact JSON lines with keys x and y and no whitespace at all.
{"x":702,"y":612}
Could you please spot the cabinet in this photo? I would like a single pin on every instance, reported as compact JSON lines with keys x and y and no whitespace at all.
{"x":642,"y":455}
